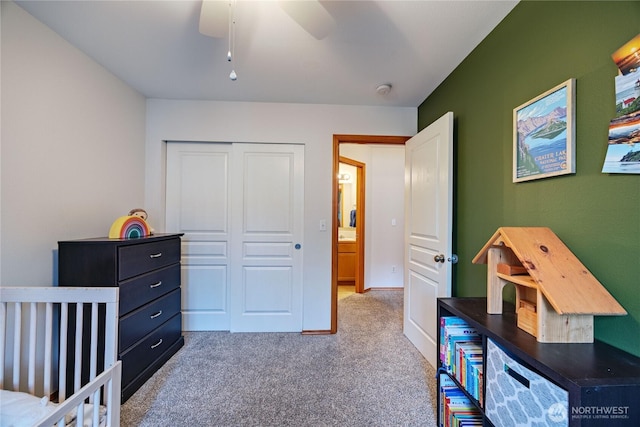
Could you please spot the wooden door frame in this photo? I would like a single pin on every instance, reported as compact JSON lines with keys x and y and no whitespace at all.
{"x":360,"y":209}
{"x":337,"y":140}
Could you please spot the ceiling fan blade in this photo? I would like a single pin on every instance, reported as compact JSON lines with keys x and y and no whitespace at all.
{"x":214,"y":18}
{"x":311,"y":16}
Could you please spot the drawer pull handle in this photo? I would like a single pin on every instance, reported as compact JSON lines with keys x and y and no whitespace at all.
{"x":155,"y":285}
{"x":516,"y":376}
{"x":153,"y":316}
{"x":157,"y":344}
{"x":158,"y":255}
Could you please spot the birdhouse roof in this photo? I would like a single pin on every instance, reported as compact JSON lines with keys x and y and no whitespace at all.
{"x":566,"y":283}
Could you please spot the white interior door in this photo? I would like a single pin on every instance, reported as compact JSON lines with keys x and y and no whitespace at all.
{"x":428,"y":226}
{"x":198,"y":205}
{"x":240,"y":208}
{"x":266,"y":272}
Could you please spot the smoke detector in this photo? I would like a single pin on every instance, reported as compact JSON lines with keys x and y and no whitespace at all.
{"x":383,"y":89}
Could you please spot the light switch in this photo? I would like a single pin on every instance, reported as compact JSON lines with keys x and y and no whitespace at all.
{"x":393,"y":222}
{"x":323,"y":225}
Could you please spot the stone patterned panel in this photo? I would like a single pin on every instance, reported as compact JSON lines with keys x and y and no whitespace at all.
{"x":516,"y":395}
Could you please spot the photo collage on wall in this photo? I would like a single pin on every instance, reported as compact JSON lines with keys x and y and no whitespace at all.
{"x":623,"y":152}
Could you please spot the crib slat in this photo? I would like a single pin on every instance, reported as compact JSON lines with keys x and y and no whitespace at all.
{"x":93,"y":356}
{"x":31,"y":374}
{"x":48,"y":350}
{"x":78,"y":348}
{"x":111,"y":334}
{"x":62,"y":366}
{"x":112,"y":396}
{"x":17,"y":344}
{"x":95,"y":399}
{"x":80,"y":414}
{"x":94,"y":342}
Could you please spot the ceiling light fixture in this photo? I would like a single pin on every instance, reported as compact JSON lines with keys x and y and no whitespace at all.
{"x":384,"y":89}
{"x":232,"y":38}
{"x":344,"y":177}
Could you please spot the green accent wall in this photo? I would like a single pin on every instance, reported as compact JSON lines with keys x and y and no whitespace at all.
{"x":536,"y":47}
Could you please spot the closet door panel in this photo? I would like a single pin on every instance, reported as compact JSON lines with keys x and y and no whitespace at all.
{"x":266,"y":295}
{"x":198,"y":192}
{"x":240,"y":207}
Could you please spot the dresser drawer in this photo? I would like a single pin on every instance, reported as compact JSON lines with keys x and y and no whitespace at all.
{"x":140,"y":290}
{"x":143,"y":354}
{"x":518,"y":396}
{"x":137,"y":324}
{"x":142,"y":258}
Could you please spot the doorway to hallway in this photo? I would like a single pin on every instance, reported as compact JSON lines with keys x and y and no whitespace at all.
{"x":337,"y":141}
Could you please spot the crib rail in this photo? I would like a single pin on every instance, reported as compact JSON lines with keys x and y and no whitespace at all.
{"x":34,"y":332}
{"x":109,"y":381}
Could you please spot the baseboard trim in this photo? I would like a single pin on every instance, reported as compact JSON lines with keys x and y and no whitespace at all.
{"x":317,"y":332}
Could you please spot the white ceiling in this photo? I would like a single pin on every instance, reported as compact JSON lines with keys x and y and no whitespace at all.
{"x":155,"y":47}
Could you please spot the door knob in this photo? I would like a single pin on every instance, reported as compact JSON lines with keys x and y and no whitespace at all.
{"x":439,"y":258}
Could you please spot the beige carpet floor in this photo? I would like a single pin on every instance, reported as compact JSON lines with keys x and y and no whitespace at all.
{"x":368,"y":374}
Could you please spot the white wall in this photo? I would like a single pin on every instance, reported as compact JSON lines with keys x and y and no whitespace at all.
{"x":72,"y":155}
{"x":384,"y":202}
{"x":312,"y":125}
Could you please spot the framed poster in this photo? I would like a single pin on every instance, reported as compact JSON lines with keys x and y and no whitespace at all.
{"x":544,"y":134}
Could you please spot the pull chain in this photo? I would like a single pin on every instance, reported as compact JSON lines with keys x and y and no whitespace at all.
{"x":232,"y":38}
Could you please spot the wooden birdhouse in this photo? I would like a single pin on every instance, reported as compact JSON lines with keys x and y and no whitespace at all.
{"x":556,"y":296}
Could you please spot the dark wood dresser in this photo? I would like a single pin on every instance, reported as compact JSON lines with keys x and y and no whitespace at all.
{"x":147,"y":271}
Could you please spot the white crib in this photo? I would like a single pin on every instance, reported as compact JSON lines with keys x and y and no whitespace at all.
{"x":42,"y":352}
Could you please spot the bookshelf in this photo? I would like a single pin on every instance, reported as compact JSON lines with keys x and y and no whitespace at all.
{"x":561,"y":384}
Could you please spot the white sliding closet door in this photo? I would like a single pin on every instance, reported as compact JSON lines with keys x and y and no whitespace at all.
{"x":198,"y":205}
{"x":240,"y":207}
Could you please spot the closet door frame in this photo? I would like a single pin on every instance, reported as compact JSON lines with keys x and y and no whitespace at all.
{"x":241,"y":270}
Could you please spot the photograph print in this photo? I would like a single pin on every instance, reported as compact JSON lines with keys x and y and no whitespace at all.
{"x":623,"y":145}
{"x":543,"y":134}
{"x":627,"y":58}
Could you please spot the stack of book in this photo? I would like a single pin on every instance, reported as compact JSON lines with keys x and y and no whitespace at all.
{"x":456,"y":410}
{"x":454,"y":330}
{"x":461,"y":354}
{"x":468,"y":367}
